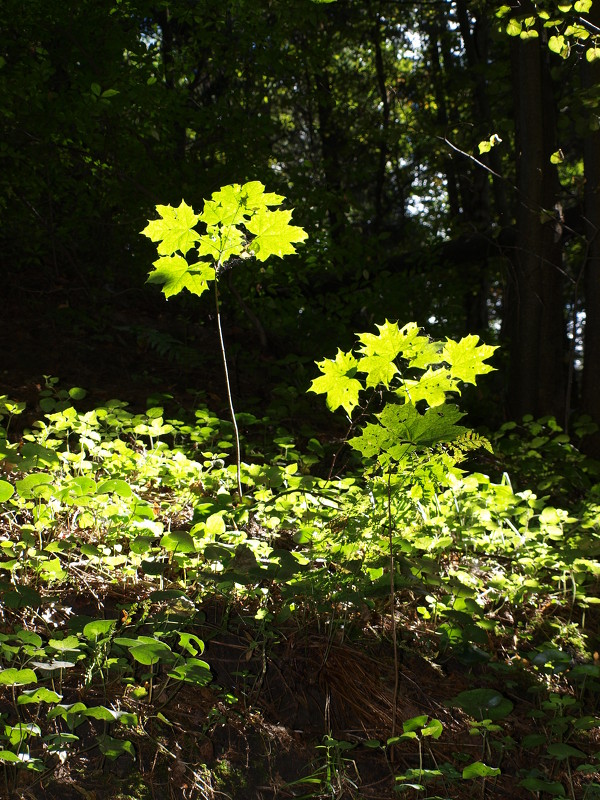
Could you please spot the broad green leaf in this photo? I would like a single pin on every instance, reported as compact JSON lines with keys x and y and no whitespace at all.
{"x":229,"y":212}
{"x":424,"y":353}
{"x":431,"y":387}
{"x":174,"y":230}
{"x":29,"y":637}
{"x":221,"y":243}
{"x":17,"y":677}
{"x":176,"y":275}
{"x":483,"y":704}
{"x":6,"y":491}
{"x":433,"y":729}
{"x":514,"y":27}
{"x":583,"y":6}
{"x":466,"y":358}
{"x":66,"y":645}
{"x":390,"y":341}
{"x":402,"y":429}
{"x":274,"y":235}
{"x":151,"y":652}
{"x":193,"y":671}
{"x":486,"y":145}
{"x":41,"y":695}
{"x":191,"y":643}
{"x":479,"y":770}
{"x":113,"y":748}
{"x":97,"y":628}
{"x":415,"y":723}
{"x":234,"y":204}
{"x":215,"y":525}
{"x":115,"y":486}
{"x":7,"y":755}
{"x":380,"y":350}
{"x":27,"y":486}
{"x":178,"y":542}
{"x":558,"y":45}
{"x":102,"y":713}
{"x":560,"y":751}
{"x":338,"y":381}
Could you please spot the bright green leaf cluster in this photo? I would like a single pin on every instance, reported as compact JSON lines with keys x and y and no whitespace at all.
{"x":417,"y":417}
{"x":239,"y":224}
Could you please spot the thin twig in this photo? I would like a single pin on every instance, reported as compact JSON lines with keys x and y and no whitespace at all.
{"x":393,"y":602}
{"x":238,"y":456}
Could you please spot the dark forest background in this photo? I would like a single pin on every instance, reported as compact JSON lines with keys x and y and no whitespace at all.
{"x":368,"y":116}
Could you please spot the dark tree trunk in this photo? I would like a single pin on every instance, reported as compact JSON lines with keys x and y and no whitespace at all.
{"x":590,"y":389}
{"x":534,"y":303}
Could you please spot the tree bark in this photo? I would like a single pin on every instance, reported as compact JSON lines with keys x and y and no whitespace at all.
{"x":590,"y":388}
{"x":534,"y":303}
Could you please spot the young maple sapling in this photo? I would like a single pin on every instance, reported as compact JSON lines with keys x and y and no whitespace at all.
{"x":239,"y":224}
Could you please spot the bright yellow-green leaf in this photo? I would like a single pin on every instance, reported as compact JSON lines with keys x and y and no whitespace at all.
{"x":514,"y":27}
{"x":558,"y":45}
{"x":401,"y":429}
{"x":338,"y":381}
{"x":381,"y":349}
{"x":274,"y":235}
{"x":221,"y":243}
{"x":174,"y":230}
{"x":176,"y":274}
{"x":431,"y":387}
{"x":577,"y":31}
{"x":557,"y":158}
{"x":229,"y":213}
{"x":530,"y":34}
{"x":234,"y":204}
{"x":583,"y":6}
{"x":479,"y":770}
{"x":466,"y":358}
{"x":486,"y":145}
{"x":592,"y":54}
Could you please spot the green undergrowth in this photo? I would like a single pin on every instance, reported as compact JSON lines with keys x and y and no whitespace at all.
{"x":120,"y":531}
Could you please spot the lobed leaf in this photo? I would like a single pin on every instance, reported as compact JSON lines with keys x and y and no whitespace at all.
{"x":274,"y":235}
{"x":174,"y":231}
{"x":176,"y":274}
{"x":338,"y":381}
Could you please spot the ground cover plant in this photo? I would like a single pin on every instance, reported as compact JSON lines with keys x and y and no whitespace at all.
{"x":200,"y":607}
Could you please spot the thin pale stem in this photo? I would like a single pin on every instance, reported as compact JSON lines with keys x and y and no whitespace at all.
{"x":238,"y":457}
{"x":393,"y":601}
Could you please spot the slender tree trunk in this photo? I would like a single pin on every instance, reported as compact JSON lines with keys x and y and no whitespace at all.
{"x":535,"y":317}
{"x":590,"y":389}
{"x":382,"y":155}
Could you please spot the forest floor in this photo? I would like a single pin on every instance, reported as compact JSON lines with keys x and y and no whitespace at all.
{"x":315,"y":703}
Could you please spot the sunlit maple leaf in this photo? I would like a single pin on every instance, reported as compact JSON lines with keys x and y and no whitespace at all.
{"x":234,"y":204}
{"x":338,"y":381}
{"x":381,"y":349}
{"x":176,"y":274}
{"x":431,"y":387}
{"x":174,"y":231}
{"x":221,"y":243}
{"x":274,"y":235}
{"x":401,"y":429}
{"x":466,"y":358}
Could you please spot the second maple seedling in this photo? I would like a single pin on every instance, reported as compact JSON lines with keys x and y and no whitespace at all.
{"x":240,"y":224}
